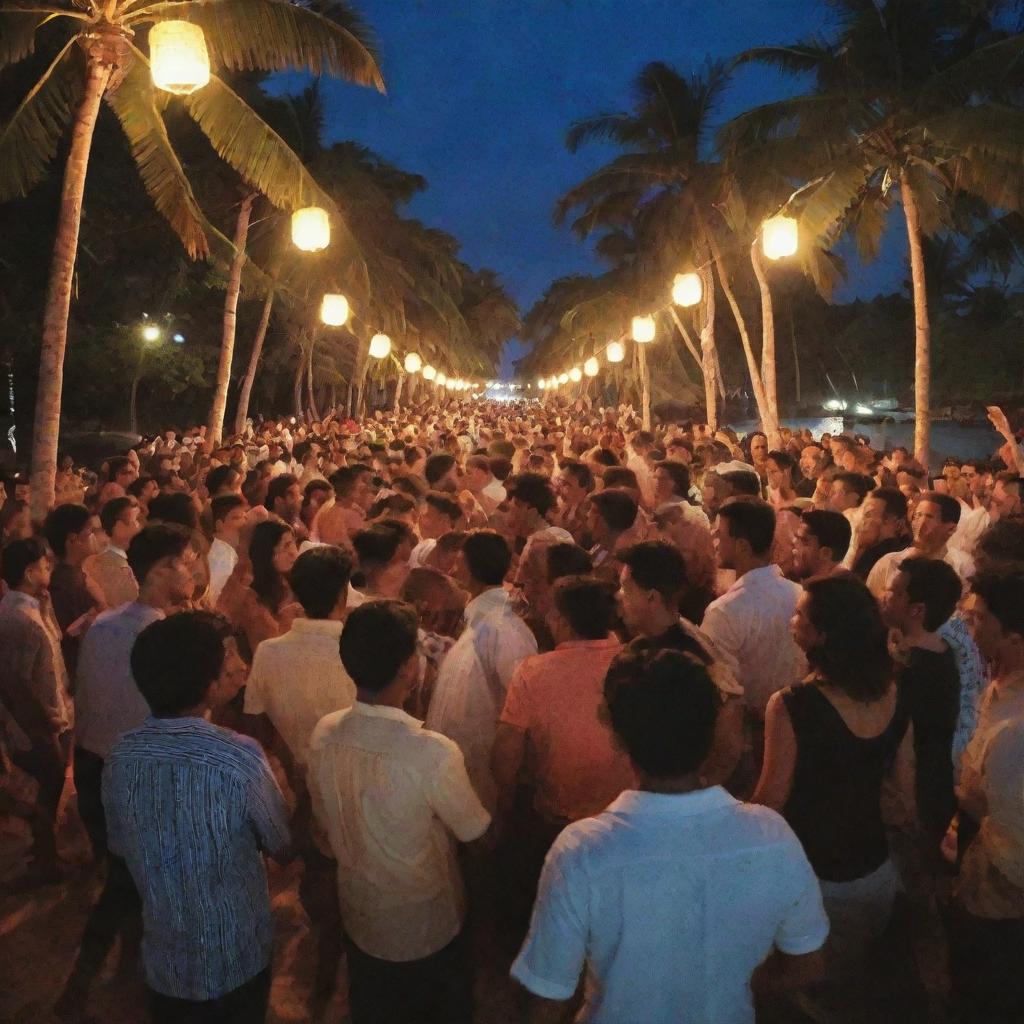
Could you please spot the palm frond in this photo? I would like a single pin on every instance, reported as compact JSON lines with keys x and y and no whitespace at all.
{"x":17,"y":35}
{"x":29,"y":139}
{"x":325,"y":38}
{"x":134,"y":104}
{"x":798,"y":58}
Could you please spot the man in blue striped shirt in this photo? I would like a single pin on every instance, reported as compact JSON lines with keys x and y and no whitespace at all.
{"x":192,"y":808}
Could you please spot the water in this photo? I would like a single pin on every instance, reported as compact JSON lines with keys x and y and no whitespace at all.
{"x":960,"y":440}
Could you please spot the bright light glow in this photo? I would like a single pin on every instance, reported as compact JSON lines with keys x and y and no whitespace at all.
{"x":150,"y":332}
{"x":643,"y":329}
{"x":575,"y":374}
{"x":451,"y":385}
{"x":591,"y":367}
{"x":615,"y":352}
{"x":779,"y":237}
{"x":687,"y":289}
{"x":413,"y":363}
{"x":179,"y":339}
{"x":863,"y":410}
{"x":563,"y":378}
{"x":334,"y":310}
{"x":380,"y":346}
{"x":835,"y":405}
{"x":311,"y":229}
{"x":542,"y":383}
{"x":429,"y":373}
{"x":552,"y":383}
{"x":178,"y":59}
{"x":441,"y":380}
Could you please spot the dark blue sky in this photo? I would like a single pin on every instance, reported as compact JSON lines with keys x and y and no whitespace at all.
{"x":481,"y":92}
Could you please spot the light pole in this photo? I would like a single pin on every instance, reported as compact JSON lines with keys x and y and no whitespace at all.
{"x":150,"y":333}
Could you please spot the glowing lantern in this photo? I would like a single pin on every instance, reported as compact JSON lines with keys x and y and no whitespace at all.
{"x":779,"y":237}
{"x":590,"y":367}
{"x":575,"y":374}
{"x":429,"y":373}
{"x":178,"y":59}
{"x":615,"y":352}
{"x":542,"y":384}
{"x":150,"y":332}
{"x":441,"y":380}
{"x":643,"y":329}
{"x":334,"y":310}
{"x":552,"y":383}
{"x":451,"y":385}
{"x":563,"y":378}
{"x":311,"y":229}
{"x":380,"y":346}
{"x":413,"y":363}
{"x":687,"y":289}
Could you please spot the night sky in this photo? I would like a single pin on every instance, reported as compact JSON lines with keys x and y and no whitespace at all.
{"x":481,"y":92}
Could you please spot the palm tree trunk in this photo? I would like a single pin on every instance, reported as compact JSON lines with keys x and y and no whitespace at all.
{"x":687,"y":339}
{"x":741,"y":325}
{"x":362,"y":357}
{"x":46,"y":427}
{"x":796,"y":353}
{"x":645,"y":387}
{"x":245,"y":392}
{"x":398,"y":390}
{"x":310,"y":398}
{"x":922,"y":329}
{"x":709,"y":350}
{"x":768,"y":379}
{"x":227,"y":343}
{"x":300,"y":365}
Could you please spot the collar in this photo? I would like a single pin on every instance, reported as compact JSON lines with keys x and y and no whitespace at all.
{"x":19,"y":599}
{"x":495,"y":599}
{"x":318,"y":627}
{"x":120,"y":552}
{"x":383,"y":711}
{"x":589,"y":645}
{"x":763,"y":573}
{"x":672,"y":805}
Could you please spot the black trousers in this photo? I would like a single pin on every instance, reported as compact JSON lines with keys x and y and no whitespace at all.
{"x":435,"y":990}
{"x":986,"y":968}
{"x":246,"y":1004}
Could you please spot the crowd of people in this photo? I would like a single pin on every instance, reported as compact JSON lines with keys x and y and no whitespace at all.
{"x":679,"y":716}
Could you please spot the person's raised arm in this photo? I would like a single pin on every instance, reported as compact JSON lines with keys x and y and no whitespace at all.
{"x":998,"y":420}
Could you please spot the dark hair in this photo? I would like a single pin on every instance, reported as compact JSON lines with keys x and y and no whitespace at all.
{"x":277,"y":488}
{"x":949,"y":507}
{"x":1003,"y":594}
{"x":605,"y":457}
{"x":154,"y":542}
{"x":445,"y":504}
{"x":895,"y":501}
{"x":656,"y":565}
{"x":487,"y":557}
{"x":176,"y":660}
{"x":113,"y":510}
{"x":533,"y":489}
{"x":16,"y":558}
{"x":437,"y":465}
{"x":378,"y":639}
{"x":830,"y":529}
{"x":936,"y":585}
{"x":413,"y":486}
{"x":393,"y":504}
{"x":223,"y":505}
{"x":376,"y":546}
{"x":752,"y":521}
{"x":743,"y":481}
{"x":344,"y":480}
{"x":220,"y":476}
{"x":783,"y":460}
{"x":580,"y":472}
{"x":118,"y":464}
{"x":662,"y":706}
{"x":860,"y":484}
{"x":501,"y":467}
{"x":587,"y":604}
{"x":174,"y":508}
{"x":617,"y":508}
{"x":680,"y":475}
{"x":620,"y":476}
{"x":478,"y":462}
{"x":61,"y":522}
{"x":451,"y":541}
{"x":1003,"y":542}
{"x":267,"y":582}
{"x":854,"y":654}
{"x":138,"y":485}
{"x":318,"y":579}
{"x":567,"y":559}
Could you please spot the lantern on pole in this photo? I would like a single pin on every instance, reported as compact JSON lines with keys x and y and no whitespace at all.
{"x":413,"y":363}
{"x":687,"y":289}
{"x":591,"y":367}
{"x":334,"y":310}
{"x":380,"y":346}
{"x":643,"y":329}
{"x":311,"y":229}
{"x":575,"y":375}
{"x":429,"y":373}
{"x":615,"y":352}
{"x":779,"y":237}
{"x":178,"y":59}
{"x":441,"y":380}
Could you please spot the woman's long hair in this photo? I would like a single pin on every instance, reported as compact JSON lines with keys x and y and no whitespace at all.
{"x":854,"y":654}
{"x":267,"y":582}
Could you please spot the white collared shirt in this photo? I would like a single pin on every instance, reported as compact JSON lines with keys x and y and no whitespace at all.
{"x":473,"y":679}
{"x":750,"y":622}
{"x":222,"y":559}
{"x":298,"y":678}
{"x":671,"y":901}
{"x":391,"y":796}
{"x":888,"y":566}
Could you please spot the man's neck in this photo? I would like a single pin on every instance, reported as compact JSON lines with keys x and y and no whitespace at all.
{"x":745,"y":565}
{"x":391,"y":697}
{"x":1007,"y":672}
{"x":670,"y":786}
{"x":915,"y":635}
{"x":153,"y":597}
{"x":660,"y":620}
{"x":29,"y":591}
{"x":932,"y":552}
{"x":75,"y":560}
{"x":475,"y":588}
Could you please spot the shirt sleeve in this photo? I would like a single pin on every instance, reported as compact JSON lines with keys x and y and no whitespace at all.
{"x":718,"y":627}
{"x":506,"y":648}
{"x":111,"y":811}
{"x":267,"y":810}
{"x":804,"y":927}
{"x":878,"y":578}
{"x":550,"y":962}
{"x":255,"y":697}
{"x":455,"y":801}
{"x":517,"y":711}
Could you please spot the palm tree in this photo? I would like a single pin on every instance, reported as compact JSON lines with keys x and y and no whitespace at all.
{"x":97,"y":58}
{"x":909,"y":101}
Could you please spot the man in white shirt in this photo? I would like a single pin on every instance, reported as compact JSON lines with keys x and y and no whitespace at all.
{"x":439,"y":514}
{"x":228,"y":512}
{"x":119,"y":518}
{"x":394,"y":797}
{"x":678,"y":899}
{"x":641,"y":444}
{"x":483,"y":484}
{"x":933,"y":524}
{"x":474,"y":676}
